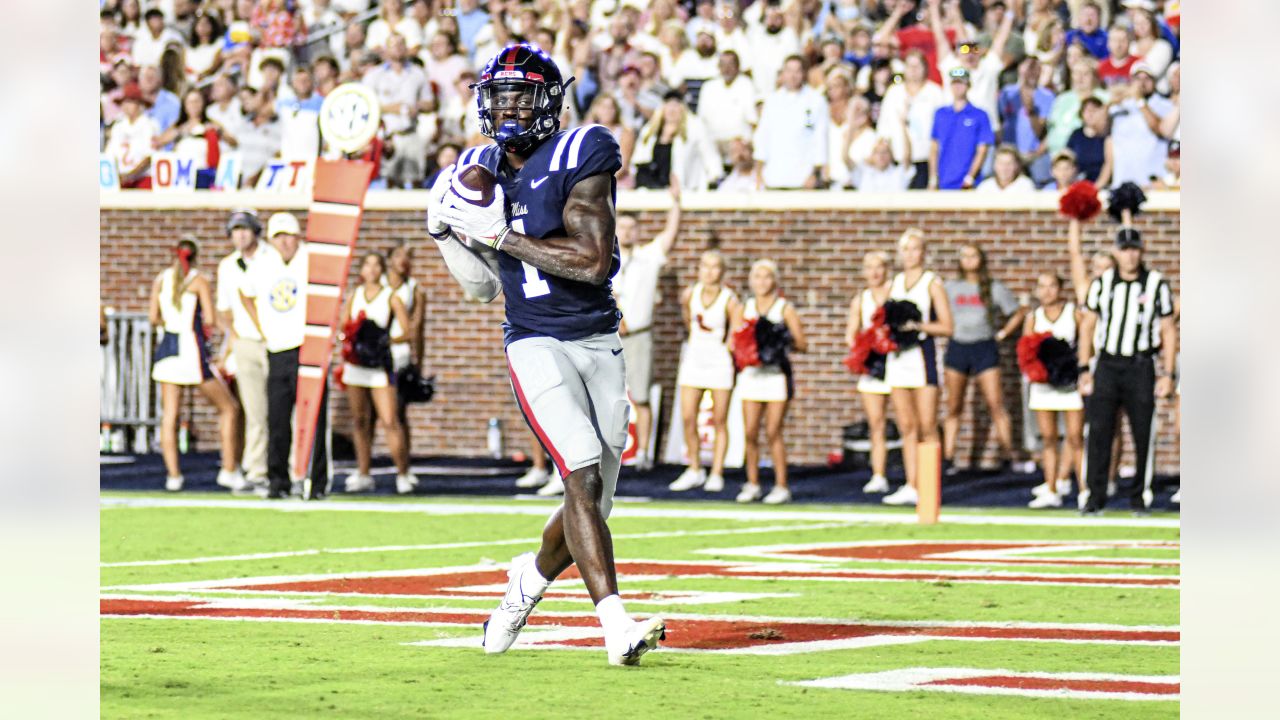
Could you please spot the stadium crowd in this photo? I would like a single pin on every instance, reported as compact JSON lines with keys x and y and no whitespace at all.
{"x":873,"y":95}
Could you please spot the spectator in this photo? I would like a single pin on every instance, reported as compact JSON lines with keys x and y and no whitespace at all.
{"x":403,"y":92}
{"x":1015,"y":48}
{"x":696,"y":65}
{"x":131,"y":140}
{"x":204,"y":52}
{"x":984,"y":66}
{"x":164,"y":105}
{"x":791,"y":139}
{"x":636,"y":290}
{"x":1007,"y":173}
{"x":727,"y":104}
{"x":122,"y":75}
{"x":224,"y":111}
{"x":390,"y":13}
{"x":324,"y":72}
{"x":446,"y":155}
{"x":961,"y":139}
{"x":703,"y":20}
{"x":259,"y":136}
{"x":417,"y":27}
{"x":916,"y":99}
{"x":275,"y":296}
{"x":709,"y":310}
{"x":912,"y":373}
{"x":151,"y":40}
{"x":979,"y":304}
{"x":1148,"y":46}
{"x":247,"y":359}
{"x":773,"y":38}
{"x":132,"y":23}
{"x":874,"y":391}
{"x":181,"y":309}
{"x":1065,"y":171}
{"x":730,"y":34}
{"x":299,"y":117}
{"x":1024,"y":109}
{"x":859,"y":137}
{"x":637,"y":103}
{"x":1062,"y":320}
{"x":1136,"y":111}
{"x":742,"y":174}
{"x":674,"y":148}
{"x":1172,"y":179}
{"x":370,"y":393}
{"x":352,"y":42}
{"x":604,"y":111}
{"x":408,"y":344}
{"x":444,"y":64}
{"x":1064,"y":118}
{"x":277,"y":26}
{"x":884,"y":58}
{"x":1114,"y":70}
{"x":321,"y":19}
{"x":857,"y":50}
{"x":766,"y":390}
{"x":194,"y":138}
{"x":881,"y":173}
{"x":1088,"y":30}
{"x":838,"y":91}
{"x":272,"y":71}
{"x":1091,"y":142}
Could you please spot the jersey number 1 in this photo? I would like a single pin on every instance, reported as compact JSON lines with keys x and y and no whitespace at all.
{"x":534,"y":286}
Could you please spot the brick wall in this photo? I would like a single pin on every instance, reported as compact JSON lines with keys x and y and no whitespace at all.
{"x":818,"y":250}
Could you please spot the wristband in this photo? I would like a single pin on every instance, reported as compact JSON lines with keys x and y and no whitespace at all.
{"x":501,"y":237}
{"x":1085,"y":369}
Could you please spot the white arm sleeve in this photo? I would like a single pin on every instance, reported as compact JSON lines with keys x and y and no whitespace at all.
{"x":477,"y":274}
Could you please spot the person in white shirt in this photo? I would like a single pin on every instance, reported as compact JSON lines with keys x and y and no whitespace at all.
{"x":697,"y":64}
{"x":742,"y":178}
{"x":153,"y":38}
{"x":984,"y":66}
{"x":1007,"y":175}
{"x":727,"y":104}
{"x":1139,"y":149}
{"x":881,"y":173}
{"x":245,"y":355}
{"x":772,"y":38}
{"x":403,"y":91}
{"x":131,"y":138}
{"x":791,"y":139}
{"x":274,"y":294}
{"x":917,"y":99}
{"x":673,"y":147}
{"x":635,"y":288}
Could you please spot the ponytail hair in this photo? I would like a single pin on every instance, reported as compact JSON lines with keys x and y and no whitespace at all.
{"x":185,"y":253}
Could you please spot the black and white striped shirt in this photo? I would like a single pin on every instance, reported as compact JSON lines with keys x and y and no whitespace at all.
{"x":1129,"y":312}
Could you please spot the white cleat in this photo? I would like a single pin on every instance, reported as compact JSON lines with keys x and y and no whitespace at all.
{"x":555,"y":486}
{"x":233,"y":480}
{"x":406,"y":483}
{"x":1064,"y":487}
{"x":173,"y":484}
{"x":1046,"y":500}
{"x":534,"y":478}
{"x":504,"y":625}
{"x":877,"y":484}
{"x":358,"y":483}
{"x":750,"y":493}
{"x":714,"y":483}
{"x":688,"y":480}
{"x":640,"y":639}
{"x":906,"y":495}
{"x":777,"y":496}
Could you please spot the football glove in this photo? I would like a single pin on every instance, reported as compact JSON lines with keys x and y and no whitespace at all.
{"x":436,"y":227}
{"x":486,"y":224}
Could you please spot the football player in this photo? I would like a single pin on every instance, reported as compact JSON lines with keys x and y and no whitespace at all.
{"x":551,"y":223}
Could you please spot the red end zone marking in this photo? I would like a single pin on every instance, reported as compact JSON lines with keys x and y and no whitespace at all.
{"x":1040,"y":683}
{"x":937,"y":552}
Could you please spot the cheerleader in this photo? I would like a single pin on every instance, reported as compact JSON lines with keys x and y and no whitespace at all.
{"x":874,"y":391}
{"x":368,"y":383}
{"x":1061,"y":319}
{"x":182,"y":305}
{"x":912,"y":372}
{"x":406,"y":351}
{"x":766,"y":390}
{"x":709,"y":310}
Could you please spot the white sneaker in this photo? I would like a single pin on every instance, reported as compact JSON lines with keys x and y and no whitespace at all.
{"x":1082,"y":499}
{"x":1042,"y":489}
{"x":173,"y":484}
{"x":1064,"y":487}
{"x":1177,"y":497}
{"x":358,"y":483}
{"x":232,"y":480}
{"x":906,"y":495}
{"x":749,"y":493}
{"x":505,"y":624}
{"x":640,"y":639}
{"x":714,"y":483}
{"x":1046,"y":500}
{"x":877,"y":484}
{"x":644,"y":463}
{"x":1111,"y":488}
{"x":406,"y":483}
{"x":554,"y":486}
{"x":535,"y":477}
{"x":777,"y":496}
{"x":688,"y":480}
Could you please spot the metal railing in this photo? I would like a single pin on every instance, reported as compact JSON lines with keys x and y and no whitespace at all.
{"x":129,"y":410}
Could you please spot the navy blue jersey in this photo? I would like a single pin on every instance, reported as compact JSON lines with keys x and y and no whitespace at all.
{"x":537,"y":303}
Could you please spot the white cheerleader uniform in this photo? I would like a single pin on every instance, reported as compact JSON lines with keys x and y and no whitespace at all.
{"x":181,"y":358}
{"x":764,"y":383}
{"x":870,"y":383}
{"x":378,"y":312}
{"x":916,"y":366}
{"x":401,"y":352}
{"x":1044,"y":396}
{"x":705,"y":360}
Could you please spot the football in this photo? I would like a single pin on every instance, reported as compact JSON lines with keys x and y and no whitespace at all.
{"x":478,"y":181}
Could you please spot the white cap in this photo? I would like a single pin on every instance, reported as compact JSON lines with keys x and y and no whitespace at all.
{"x":1141,"y":4}
{"x":282,"y":222}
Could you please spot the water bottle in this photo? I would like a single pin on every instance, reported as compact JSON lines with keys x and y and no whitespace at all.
{"x":104,"y":438}
{"x":495,"y":437}
{"x":184,"y":437}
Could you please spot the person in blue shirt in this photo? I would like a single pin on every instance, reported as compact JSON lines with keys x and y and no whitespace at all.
{"x":304,"y":97}
{"x":470,"y":20}
{"x":547,"y":240}
{"x":1088,"y":31}
{"x":962,"y":137}
{"x":1024,"y":108}
{"x":165,"y":106}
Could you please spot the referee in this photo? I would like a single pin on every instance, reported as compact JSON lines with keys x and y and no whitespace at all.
{"x":1128,"y":323}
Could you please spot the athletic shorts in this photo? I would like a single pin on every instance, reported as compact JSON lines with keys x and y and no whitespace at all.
{"x":972,"y":358}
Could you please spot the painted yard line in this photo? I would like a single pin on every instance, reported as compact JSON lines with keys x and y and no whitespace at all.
{"x":444,"y":509}
{"x":462,"y":545}
{"x":981,"y":681}
{"x":946,"y":552}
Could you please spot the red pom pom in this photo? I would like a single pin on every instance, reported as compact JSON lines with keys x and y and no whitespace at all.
{"x":1080,"y":201}
{"x":349,"y":331}
{"x":1029,"y":357}
{"x":337,"y":378}
{"x":745,"y":351}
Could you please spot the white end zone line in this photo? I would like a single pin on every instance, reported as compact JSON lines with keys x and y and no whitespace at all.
{"x":923,"y":679}
{"x":627,"y":511}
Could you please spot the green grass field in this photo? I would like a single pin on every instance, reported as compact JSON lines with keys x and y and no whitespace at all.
{"x":223,"y":608}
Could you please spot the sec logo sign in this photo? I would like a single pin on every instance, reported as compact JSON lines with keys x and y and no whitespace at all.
{"x":349,"y":117}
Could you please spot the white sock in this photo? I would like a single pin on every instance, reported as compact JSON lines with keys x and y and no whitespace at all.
{"x":613,"y":616}
{"x":532,"y":584}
